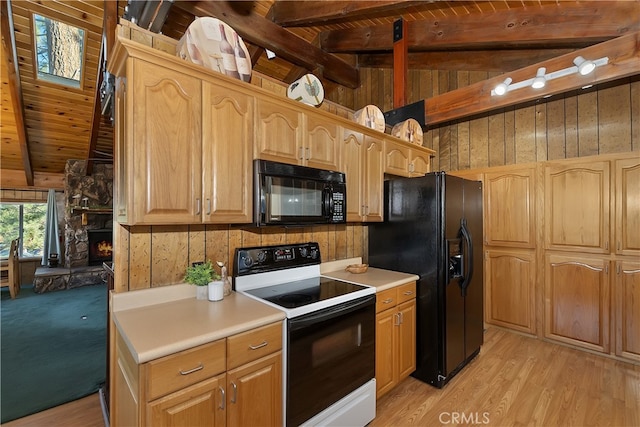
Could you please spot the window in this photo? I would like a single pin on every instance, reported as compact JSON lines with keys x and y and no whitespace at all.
{"x":25,"y":221}
{"x":59,"y":51}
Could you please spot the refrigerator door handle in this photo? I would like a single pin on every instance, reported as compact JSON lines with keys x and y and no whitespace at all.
{"x":468,"y":255}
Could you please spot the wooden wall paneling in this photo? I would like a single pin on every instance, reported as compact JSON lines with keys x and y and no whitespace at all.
{"x":341,"y":241}
{"x":525,"y":135}
{"x":139,"y":257}
{"x":614,"y":119}
{"x":510,"y":136}
{"x":635,"y":115}
{"x":463,"y":132}
{"x":121,"y":267}
{"x":321,"y":235}
{"x":349,"y":241}
{"x":496,"y":140}
{"x":169,"y":249}
{"x":235,"y":241}
{"x":541,"y":132}
{"x":359,"y":240}
{"x":444,"y":148}
{"x":556,"y":129}
{"x":478,"y":131}
{"x":331,"y":254}
{"x":571,"y":125}
{"x":217,"y":243}
{"x":588,"y":123}
{"x":251,"y":237}
{"x":376,"y":97}
{"x":196,"y":244}
{"x":273,"y":236}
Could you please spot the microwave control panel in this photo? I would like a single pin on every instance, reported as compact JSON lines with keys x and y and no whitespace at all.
{"x":338,"y":206}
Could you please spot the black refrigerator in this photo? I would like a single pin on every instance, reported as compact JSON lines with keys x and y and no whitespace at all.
{"x":433,"y":228}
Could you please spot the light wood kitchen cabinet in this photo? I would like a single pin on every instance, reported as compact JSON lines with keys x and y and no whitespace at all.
{"x":362,"y":164}
{"x":227,"y":155}
{"x":510,"y":208}
{"x":255,"y":393}
{"x":285,"y":134}
{"x":233,"y":381}
{"x":626,"y":309}
{"x":395,"y":336}
{"x":404,"y":160}
{"x":577,"y":291}
{"x":161,"y":146}
{"x":627,"y":194}
{"x":577,"y":206}
{"x":510,"y":278}
{"x":184,"y":147}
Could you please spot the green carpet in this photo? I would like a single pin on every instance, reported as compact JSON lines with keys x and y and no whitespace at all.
{"x":53,"y":348}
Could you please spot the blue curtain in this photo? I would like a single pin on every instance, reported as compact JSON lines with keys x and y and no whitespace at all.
{"x":51,"y":241}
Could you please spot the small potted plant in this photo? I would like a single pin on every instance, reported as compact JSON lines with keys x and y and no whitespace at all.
{"x":201,"y":275}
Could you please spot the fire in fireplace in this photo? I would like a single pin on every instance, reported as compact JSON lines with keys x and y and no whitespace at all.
{"x":100,"y":246}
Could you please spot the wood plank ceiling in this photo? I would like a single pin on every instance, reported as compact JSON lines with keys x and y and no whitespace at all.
{"x":332,"y":39}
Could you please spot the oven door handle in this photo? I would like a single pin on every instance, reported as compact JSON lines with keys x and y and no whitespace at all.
{"x":330,"y":313}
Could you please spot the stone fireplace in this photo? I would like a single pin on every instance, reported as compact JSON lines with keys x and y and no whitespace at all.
{"x":88,"y":228}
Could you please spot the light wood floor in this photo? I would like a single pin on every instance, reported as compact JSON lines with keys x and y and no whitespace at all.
{"x":514,"y":381}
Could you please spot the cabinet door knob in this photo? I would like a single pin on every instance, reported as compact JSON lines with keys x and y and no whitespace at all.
{"x":208,"y":206}
{"x":198,"y":206}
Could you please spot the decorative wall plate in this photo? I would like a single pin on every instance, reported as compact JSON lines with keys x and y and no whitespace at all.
{"x":215,"y":45}
{"x":371,"y":117}
{"x":307,"y":89}
{"x":408,"y":130}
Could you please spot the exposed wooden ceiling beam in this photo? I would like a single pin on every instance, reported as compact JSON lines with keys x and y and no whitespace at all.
{"x":298,"y":13}
{"x":9,"y":52}
{"x":264,"y":33}
{"x":549,"y":26}
{"x":624,"y":61}
{"x":482,"y":60}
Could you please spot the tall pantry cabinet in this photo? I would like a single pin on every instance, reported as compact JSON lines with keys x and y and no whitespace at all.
{"x":510,"y":255}
{"x":591,"y":250}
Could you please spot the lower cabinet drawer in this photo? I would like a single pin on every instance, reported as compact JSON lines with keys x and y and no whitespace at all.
{"x":253,"y":344}
{"x":188,"y":367}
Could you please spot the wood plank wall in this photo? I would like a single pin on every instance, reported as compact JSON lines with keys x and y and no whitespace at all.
{"x":601,"y":120}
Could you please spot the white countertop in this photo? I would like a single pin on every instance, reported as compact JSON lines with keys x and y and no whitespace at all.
{"x":161,"y":321}
{"x":162,"y":327}
{"x":376,"y":277}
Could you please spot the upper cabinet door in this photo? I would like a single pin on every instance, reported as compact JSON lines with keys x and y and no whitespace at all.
{"x":353,"y":166}
{"x":510,"y":208}
{"x":373,"y":180}
{"x":628,"y":207}
{"x":166,"y":120}
{"x":321,"y":147}
{"x":420,"y":162}
{"x":278,"y":132}
{"x":577,"y":208}
{"x":227,"y":149}
{"x":396,"y":159}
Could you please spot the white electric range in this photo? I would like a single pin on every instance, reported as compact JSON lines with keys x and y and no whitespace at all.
{"x":329,"y":334}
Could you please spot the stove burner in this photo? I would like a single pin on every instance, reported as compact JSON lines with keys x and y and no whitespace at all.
{"x":294,"y":300}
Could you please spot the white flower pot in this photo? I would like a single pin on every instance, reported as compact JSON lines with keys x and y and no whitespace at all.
{"x":216,"y":290}
{"x":201,"y":292}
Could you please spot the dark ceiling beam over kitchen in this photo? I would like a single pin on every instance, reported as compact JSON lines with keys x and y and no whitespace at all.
{"x":550,"y":26}
{"x":299,"y":13}
{"x":624,"y":61}
{"x":264,"y":33}
{"x":10,"y":53}
{"x":484,"y":60}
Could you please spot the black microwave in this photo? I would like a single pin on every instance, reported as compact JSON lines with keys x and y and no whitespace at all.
{"x":297,"y":195}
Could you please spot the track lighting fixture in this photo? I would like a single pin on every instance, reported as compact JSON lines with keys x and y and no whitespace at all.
{"x":539,"y":81}
{"x":582,"y":66}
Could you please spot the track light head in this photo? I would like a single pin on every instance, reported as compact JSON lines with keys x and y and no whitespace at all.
{"x":584,"y":66}
{"x":539,"y":81}
{"x":503,"y":87}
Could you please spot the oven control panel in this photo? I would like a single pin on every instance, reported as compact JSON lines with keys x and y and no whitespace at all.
{"x":271,"y":258}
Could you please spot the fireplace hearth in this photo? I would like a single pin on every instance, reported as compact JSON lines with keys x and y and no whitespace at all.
{"x":100,"y":245}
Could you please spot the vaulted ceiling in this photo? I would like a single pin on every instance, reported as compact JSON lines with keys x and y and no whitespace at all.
{"x":43,"y":124}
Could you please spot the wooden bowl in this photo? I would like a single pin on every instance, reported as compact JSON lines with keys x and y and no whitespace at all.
{"x":357,"y":268}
